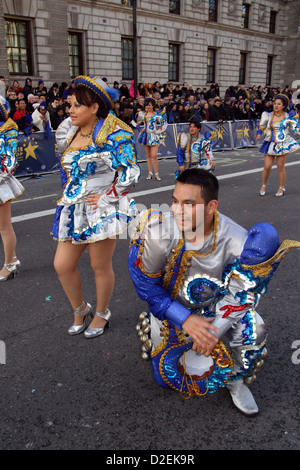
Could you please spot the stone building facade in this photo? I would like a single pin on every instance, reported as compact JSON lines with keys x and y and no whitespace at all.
{"x":230,"y":45}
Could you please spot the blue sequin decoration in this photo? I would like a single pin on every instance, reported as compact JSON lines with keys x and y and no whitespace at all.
{"x":248,"y":332}
{"x":74,"y":187}
{"x":196,"y":290}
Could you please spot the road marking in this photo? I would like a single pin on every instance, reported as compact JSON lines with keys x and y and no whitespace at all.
{"x":17,"y":201}
{"x":37,"y":215}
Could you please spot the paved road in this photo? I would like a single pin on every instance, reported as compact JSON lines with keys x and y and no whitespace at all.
{"x":62,"y":392}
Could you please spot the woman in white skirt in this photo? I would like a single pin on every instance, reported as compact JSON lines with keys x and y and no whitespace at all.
{"x":277,"y":142}
{"x":98,"y":168}
{"x":10,"y":188}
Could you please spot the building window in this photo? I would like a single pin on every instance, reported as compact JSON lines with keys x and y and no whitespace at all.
{"x":127,"y":2}
{"x":242,"y":68}
{"x":211,"y":65}
{"x":18,"y":47}
{"x":174,"y":62}
{"x":213,"y":10}
{"x":75,"y":54}
{"x":245,"y":15}
{"x":174,"y":7}
{"x":269,"y":70}
{"x":127,"y":58}
{"x":272,"y":26}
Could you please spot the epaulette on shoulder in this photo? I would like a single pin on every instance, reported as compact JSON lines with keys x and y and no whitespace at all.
{"x":146,"y":217}
{"x":110,"y":125}
{"x":265,"y":267}
{"x":9,"y":125}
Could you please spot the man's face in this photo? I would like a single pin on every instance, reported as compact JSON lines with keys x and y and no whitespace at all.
{"x":194,"y":131}
{"x":188,"y":207}
{"x":22,"y":105}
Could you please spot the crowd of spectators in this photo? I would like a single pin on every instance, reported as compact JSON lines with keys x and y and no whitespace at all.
{"x":186,"y":103}
{"x":37,"y":108}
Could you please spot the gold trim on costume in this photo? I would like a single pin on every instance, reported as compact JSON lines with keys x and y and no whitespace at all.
{"x":140,"y":236}
{"x":186,"y":260}
{"x":96,"y":84}
{"x":9,"y":124}
{"x":110,"y":125}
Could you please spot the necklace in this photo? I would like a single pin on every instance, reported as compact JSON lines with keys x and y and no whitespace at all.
{"x":85,"y":135}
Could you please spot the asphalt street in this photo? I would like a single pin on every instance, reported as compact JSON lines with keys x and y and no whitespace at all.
{"x":60,"y":392}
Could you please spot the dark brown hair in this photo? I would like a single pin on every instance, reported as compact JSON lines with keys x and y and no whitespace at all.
{"x":87,"y":97}
{"x":199,"y":177}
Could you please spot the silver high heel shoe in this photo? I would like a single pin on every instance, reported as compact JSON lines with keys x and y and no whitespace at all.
{"x":93,"y":332}
{"x":16,"y":262}
{"x":149,"y":177}
{"x":11,"y":267}
{"x":157,"y":177}
{"x":280,"y":191}
{"x":262,"y":192}
{"x":77,"y":329}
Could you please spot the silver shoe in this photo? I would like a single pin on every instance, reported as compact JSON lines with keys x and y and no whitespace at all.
{"x":77,"y":329}
{"x":13,"y":270}
{"x":262,"y":192}
{"x":242,"y":397}
{"x":93,"y":332}
{"x":16,"y":262}
{"x":280,"y":192}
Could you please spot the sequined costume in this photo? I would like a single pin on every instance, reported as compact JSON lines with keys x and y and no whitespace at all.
{"x":277,"y":140}
{"x":220,"y":279}
{"x":106,"y":166}
{"x":154,"y":127}
{"x":10,"y":187}
{"x":194,"y":151}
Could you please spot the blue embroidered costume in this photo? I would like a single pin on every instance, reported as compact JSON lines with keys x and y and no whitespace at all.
{"x":10,"y":187}
{"x":194,"y":151}
{"x":106,"y":166}
{"x":155,"y":125}
{"x":277,"y":140}
{"x":221,"y":279}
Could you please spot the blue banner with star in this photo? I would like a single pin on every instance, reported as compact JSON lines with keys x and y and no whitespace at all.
{"x":220,"y":135}
{"x":36,"y":154}
{"x":243,"y":133}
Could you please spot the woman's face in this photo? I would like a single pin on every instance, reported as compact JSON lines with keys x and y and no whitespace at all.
{"x":82,"y":115}
{"x":149,"y":107}
{"x":278,"y":106}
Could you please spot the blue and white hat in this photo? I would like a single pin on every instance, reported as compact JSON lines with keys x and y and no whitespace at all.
{"x":4,"y":109}
{"x":98,"y":86}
